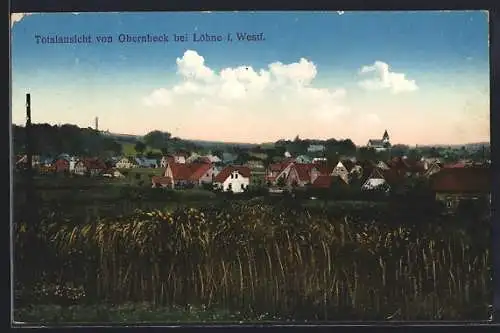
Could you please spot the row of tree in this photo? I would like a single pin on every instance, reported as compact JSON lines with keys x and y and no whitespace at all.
{"x":52,"y":140}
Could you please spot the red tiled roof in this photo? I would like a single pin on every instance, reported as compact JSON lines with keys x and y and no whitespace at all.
{"x":393,"y":177}
{"x":188,"y":171}
{"x":226,"y":172}
{"x":325,"y":181}
{"x":323,"y":168}
{"x":94,"y":164}
{"x":303,"y":171}
{"x":199,"y":171}
{"x":275,"y":167}
{"x":398,"y":163}
{"x":477,"y":180}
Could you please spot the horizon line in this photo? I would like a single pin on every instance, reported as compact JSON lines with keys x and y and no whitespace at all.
{"x":414,"y":145}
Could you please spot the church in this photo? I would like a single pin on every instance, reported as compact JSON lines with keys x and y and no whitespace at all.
{"x":380,"y":145}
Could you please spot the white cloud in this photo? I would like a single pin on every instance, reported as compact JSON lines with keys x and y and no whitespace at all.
{"x":241,"y":90}
{"x":192,"y":66}
{"x":383,"y":78}
{"x":17,"y":17}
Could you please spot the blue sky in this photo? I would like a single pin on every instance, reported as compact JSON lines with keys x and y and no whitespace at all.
{"x":423,"y":76}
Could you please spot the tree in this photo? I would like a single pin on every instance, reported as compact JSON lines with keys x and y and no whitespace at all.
{"x":164,"y":151}
{"x":140,"y":147}
{"x":157,"y":139}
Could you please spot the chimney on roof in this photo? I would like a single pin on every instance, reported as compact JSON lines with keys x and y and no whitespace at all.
{"x":97,"y":123}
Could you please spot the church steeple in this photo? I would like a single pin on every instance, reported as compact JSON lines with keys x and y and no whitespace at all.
{"x":385,"y":137}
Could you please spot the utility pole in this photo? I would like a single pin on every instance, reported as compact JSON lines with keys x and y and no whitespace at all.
{"x":29,"y":146}
{"x":30,"y":186}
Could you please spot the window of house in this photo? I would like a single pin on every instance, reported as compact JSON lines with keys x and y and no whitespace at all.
{"x":236,"y":176}
{"x":449,"y":204}
{"x":232,"y":176}
{"x":242,"y":186}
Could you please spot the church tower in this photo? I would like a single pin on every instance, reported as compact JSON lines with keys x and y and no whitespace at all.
{"x":385,"y":137}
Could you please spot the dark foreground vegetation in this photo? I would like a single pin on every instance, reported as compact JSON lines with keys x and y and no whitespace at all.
{"x":252,"y":259}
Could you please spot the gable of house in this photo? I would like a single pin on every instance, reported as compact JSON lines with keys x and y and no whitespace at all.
{"x":225,"y":173}
{"x":341,"y":171}
{"x":374,"y":180}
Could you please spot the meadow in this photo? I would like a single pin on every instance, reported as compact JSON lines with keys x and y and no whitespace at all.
{"x":207,"y":258}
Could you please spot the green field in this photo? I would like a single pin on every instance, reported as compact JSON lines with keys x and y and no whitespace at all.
{"x":128,"y":149}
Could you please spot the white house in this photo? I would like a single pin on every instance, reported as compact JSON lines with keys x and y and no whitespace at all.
{"x":72,"y":163}
{"x":316,"y":148}
{"x":233,"y":179}
{"x":125,"y":163}
{"x":319,"y":160}
{"x":213,"y":159}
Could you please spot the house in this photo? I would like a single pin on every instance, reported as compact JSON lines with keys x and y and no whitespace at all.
{"x":23,"y":160}
{"x":432,"y":168}
{"x":400,"y":165}
{"x":89,"y":166}
{"x":146,"y":162}
{"x":453,"y":185}
{"x":319,"y":160}
{"x":356,"y":172}
{"x":326,"y":182}
{"x":380,"y":145}
{"x":279,"y":170}
{"x":113,"y":173}
{"x":429,"y":161}
{"x":180,"y":175}
{"x":72,"y":163}
{"x":205,"y":173}
{"x":233,"y":179}
{"x":126,"y":163}
{"x":341,"y":171}
{"x":213,"y":159}
{"x":383,"y":180}
{"x":316,"y":148}
{"x":301,"y":175}
{"x":382,"y":166}
{"x":61,"y":165}
{"x":180,"y":159}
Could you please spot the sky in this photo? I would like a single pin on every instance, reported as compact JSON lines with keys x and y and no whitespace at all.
{"x":422,"y":76}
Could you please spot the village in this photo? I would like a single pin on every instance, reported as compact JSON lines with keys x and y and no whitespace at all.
{"x":450,"y":182}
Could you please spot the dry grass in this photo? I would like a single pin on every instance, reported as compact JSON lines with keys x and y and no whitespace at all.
{"x":264,"y":259}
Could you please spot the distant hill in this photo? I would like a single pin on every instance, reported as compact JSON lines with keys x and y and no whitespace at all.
{"x":207,"y":144}
{"x":468,"y":146}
